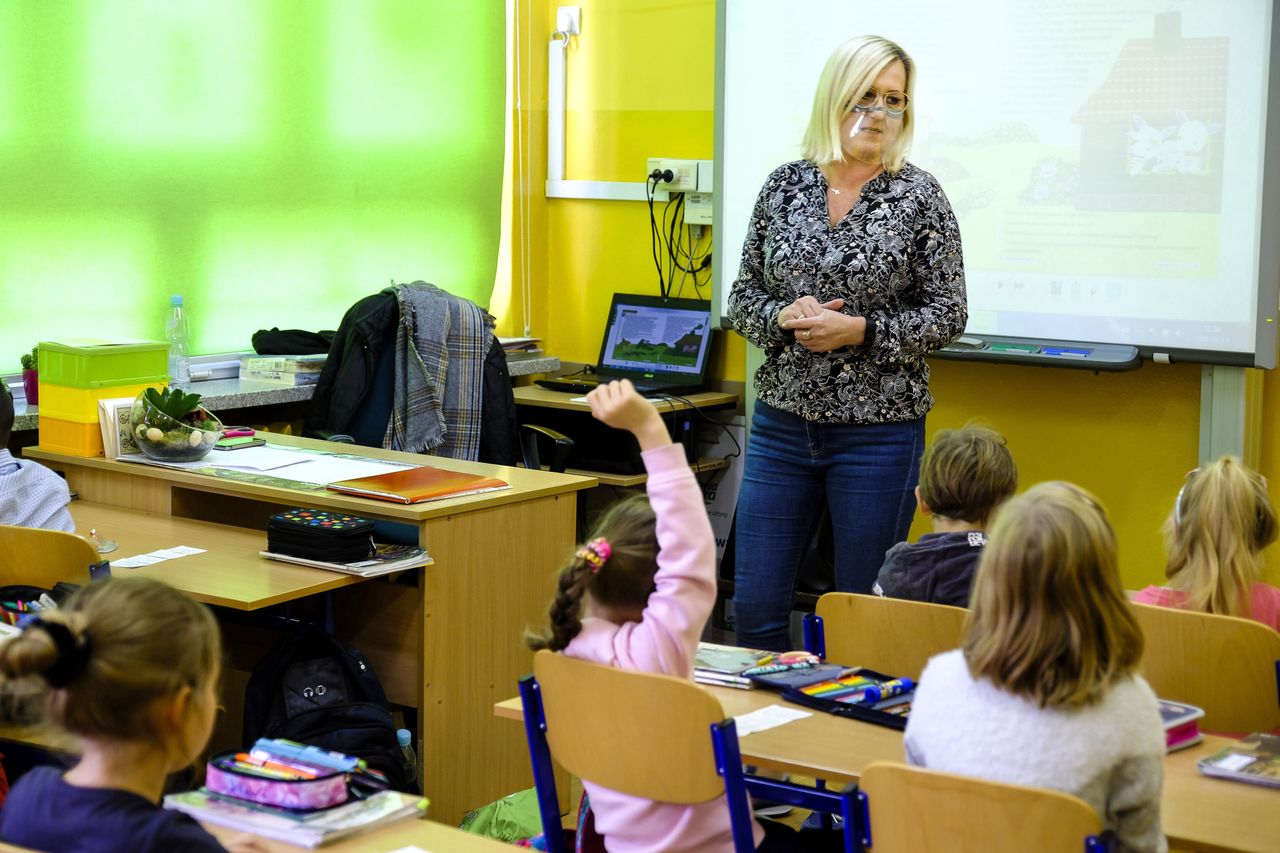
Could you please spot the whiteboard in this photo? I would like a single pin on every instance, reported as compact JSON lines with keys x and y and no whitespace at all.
{"x":1105,"y":158}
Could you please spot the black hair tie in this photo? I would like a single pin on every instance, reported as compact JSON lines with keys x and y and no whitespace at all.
{"x":73,"y":655}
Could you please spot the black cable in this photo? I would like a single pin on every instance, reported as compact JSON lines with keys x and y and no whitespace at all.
{"x":655,"y":236}
{"x":737,"y":448}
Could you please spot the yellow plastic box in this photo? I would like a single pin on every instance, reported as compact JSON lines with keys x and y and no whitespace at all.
{"x":70,"y":437}
{"x":99,"y":364}
{"x":81,"y":404}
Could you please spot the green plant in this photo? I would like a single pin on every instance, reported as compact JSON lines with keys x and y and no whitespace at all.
{"x":29,"y":361}
{"x":172,"y":401}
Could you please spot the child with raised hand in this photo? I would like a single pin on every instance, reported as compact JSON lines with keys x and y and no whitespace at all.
{"x":1221,"y":521}
{"x":965,"y":474}
{"x":636,"y":596}
{"x":1044,"y":691}
{"x":132,"y":669}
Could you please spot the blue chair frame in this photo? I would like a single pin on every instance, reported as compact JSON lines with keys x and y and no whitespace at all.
{"x":738,"y":785}
{"x":815,"y":636}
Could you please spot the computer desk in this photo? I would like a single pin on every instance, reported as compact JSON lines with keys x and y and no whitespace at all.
{"x":1198,"y":812}
{"x":448,"y":645}
{"x":537,"y":397}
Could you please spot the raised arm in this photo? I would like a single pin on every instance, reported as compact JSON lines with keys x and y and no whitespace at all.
{"x":666,"y":637}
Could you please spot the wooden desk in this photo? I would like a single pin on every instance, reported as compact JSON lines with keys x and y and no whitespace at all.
{"x":450,"y":647}
{"x":229,"y":574}
{"x":427,"y":834}
{"x":565,"y":405}
{"x":1198,"y":812}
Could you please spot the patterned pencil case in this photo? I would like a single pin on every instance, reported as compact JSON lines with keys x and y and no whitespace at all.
{"x":317,"y":534}
{"x":227,"y":775}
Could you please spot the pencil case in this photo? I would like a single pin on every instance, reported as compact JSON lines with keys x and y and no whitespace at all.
{"x":223,"y":776}
{"x":317,"y":534}
{"x":882,"y":700}
{"x":16,"y":601}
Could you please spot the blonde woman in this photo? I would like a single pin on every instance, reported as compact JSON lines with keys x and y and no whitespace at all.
{"x":1044,"y":692}
{"x":1221,"y":521}
{"x":851,"y":274}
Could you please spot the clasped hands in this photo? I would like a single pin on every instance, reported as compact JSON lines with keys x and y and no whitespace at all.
{"x":819,"y":326}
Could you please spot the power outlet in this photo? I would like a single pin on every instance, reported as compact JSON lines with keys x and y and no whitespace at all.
{"x":684,"y":174}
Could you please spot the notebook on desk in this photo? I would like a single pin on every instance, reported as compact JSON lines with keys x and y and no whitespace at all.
{"x":661,"y":345}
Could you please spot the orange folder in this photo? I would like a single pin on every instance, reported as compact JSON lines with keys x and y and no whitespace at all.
{"x":416,"y":485}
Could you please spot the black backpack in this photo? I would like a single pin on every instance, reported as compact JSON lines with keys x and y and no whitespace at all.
{"x":314,"y":689}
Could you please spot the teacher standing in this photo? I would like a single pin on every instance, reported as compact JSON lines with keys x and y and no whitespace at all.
{"x":851,"y":274}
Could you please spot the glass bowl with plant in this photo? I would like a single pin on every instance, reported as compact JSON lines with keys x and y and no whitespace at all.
{"x":170,"y":425}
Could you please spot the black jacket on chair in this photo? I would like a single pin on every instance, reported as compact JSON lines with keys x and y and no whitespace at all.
{"x":353,"y":394}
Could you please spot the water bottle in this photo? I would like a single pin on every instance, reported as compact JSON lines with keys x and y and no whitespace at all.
{"x":405,"y":738}
{"x":175,"y":329}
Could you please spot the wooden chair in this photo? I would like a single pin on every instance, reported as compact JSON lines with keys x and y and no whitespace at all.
{"x":646,"y":735}
{"x":29,"y":555}
{"x":1229,"y":667}
{"x":910,"y":809}
{"x":889,"y":635}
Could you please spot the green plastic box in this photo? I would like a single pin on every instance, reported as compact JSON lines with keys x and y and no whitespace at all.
{"x":102,"y":364}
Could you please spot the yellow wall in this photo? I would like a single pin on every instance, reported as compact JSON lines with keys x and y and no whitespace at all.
{"x":634,"y":92}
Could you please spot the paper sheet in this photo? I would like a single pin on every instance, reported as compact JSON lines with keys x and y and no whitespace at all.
{"x":154,"y":557}
{"x":767,"y":717}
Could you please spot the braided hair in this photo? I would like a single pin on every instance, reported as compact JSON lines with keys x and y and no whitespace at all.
{"x":623,"y":579}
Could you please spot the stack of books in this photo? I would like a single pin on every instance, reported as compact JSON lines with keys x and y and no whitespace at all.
{"x":295,"y":793}
{"x":386,"y":559}
{"x":1254,"y":759}
{"x":517,"y":348}
{"x":285,"y":370}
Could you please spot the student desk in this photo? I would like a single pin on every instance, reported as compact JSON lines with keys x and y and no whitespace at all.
{"x":561,"y":402}
{"x":426,"y":834}
{"x":449,"y":646}
{"x":1198,"y":812}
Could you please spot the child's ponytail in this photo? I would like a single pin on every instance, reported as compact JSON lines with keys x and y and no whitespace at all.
{"x":566,"y":609}
{"x":1221,"y":521}
{"x":616,"y":567}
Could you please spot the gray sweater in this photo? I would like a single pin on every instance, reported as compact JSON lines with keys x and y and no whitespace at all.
{"x":1109,"y":754}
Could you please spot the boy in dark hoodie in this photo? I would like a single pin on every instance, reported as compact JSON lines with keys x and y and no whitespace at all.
{"x":964,"y":475}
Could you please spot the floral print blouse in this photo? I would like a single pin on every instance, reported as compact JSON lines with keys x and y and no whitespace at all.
{"x":895,"y":258}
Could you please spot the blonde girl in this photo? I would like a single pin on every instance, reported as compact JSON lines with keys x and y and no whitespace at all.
{"x":1044,"y":691}
{"x":637,"y":596}
{"x":1221,"y":521}
{"x":132,"y":668}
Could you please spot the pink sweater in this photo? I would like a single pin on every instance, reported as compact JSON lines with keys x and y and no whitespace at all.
{"x":663,"y":641}
{"x":1264,"y":601}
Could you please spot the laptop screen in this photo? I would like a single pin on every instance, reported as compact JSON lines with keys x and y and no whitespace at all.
{"x":649,"y":338}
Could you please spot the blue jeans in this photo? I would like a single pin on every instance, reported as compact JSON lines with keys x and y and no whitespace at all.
{"x":868,"y":473}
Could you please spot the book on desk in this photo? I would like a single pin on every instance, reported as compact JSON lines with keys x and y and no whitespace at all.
{"x":418,"y":485}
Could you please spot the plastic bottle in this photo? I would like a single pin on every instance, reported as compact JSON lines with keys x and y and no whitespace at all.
{"x":176,"y":331}
{"x":405,"y":738}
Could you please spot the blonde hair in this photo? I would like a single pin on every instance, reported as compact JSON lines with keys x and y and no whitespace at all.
{"x":851,"y":70}
{"x":623,"y":581}
{"x":1222,"y":519}
{"x":118,"y":645}
{"x":966,"y":473}
{"x":1048,"y":620}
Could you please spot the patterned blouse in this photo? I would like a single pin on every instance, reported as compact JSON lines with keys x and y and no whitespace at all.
{"x":895,"y":259}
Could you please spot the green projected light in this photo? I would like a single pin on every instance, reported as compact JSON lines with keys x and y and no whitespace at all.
{"x":271,"y":160}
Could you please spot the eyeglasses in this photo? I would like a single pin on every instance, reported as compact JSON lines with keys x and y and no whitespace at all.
{"x":894,"y":103}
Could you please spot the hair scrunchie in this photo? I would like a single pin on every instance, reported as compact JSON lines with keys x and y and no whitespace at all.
{"x":73,"y":655}
{"x":596,"y":552}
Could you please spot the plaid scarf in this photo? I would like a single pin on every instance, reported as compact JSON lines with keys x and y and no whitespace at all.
{"x":441,"y":344}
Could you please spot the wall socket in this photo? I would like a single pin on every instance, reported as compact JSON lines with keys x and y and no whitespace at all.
{"x":684,"y":174}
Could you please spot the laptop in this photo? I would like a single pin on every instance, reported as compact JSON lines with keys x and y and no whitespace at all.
{"x":662,"y":345}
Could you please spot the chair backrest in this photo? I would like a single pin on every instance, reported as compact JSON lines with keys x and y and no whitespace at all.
{"x":1230,"y":667}
{"x":911,"y":809}
{"x":600,"y":727}
{"x":889,"y":635}
{"x":36,"y":557}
